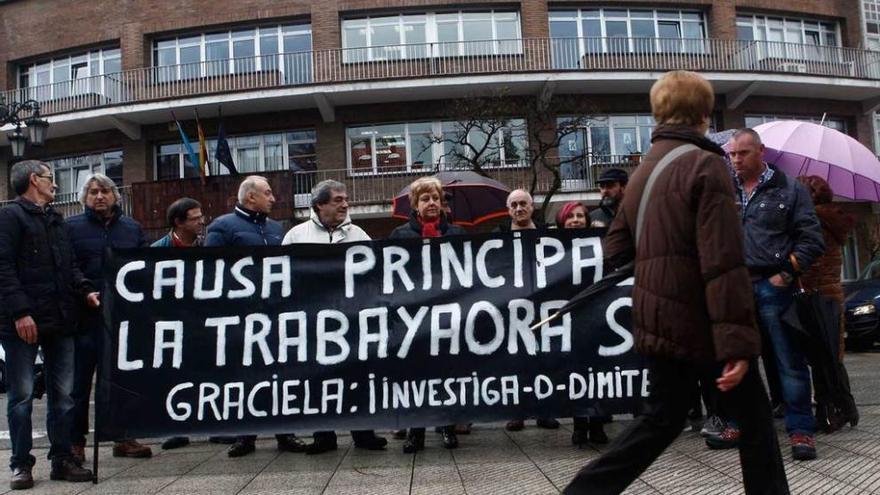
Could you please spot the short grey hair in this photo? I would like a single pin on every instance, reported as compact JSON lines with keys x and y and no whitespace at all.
{"x":249,"y":184}
{"x":515,"y":191}
{"x":322,"y":192}
{"x":20,"y":175}
{"x":103,"y":181}
{"x":747,"y":131}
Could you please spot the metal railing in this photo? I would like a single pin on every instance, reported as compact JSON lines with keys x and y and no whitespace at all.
{"x":448,"y":59}
{"x":380,"y":188}
{"x":68,"y":203}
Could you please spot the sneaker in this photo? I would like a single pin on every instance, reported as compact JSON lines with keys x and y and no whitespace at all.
{"x":713,"y":426}
{"x":79,"y":453}
{"x":131,"y":448}
{"x":68,"y":470}
{"x":727,"y":439}
{"x":22,"y":479}
{"x":803,"y":447}
{"x":514,"y":425}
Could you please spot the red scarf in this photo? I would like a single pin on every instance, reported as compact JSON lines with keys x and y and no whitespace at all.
{"x":430,"y":229}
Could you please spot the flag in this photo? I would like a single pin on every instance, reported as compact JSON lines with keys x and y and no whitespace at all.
{"x":223,"y":154}
{"x":193,"y":160}
{"x":203,"y":149}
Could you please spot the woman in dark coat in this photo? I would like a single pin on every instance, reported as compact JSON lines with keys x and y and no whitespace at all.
{"x":824,"y":276}
{"x":427,"y":219}
{"x":574,"y":215}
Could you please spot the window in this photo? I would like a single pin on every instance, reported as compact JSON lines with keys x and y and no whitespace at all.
{"x":578,"y":32}
{"x":789,"y":38}
{"x":71,"y":172}
{"x":285,"y":49}
{"x":294,"y":151}
{"x":877,"y":134}
{"x":606,"y":139}
{"x":834,"y":123}
{"x":86,"y":73}
{"x":414,"y":146}
{"x":446,"y":34}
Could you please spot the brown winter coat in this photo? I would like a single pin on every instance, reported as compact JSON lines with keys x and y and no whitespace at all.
{"x":824,"y":273}
{"x":692,"y":298}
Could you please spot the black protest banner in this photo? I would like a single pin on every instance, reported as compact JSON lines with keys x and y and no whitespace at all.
{"x":354,"y":336}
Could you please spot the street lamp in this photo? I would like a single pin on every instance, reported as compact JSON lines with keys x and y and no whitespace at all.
{"x":10,"y":113}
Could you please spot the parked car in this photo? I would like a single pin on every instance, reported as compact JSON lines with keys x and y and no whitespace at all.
{"x":862,"y":308}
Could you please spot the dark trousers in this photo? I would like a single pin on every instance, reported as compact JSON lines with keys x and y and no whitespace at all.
{"x":664,"y":417}
{"x":85,"y":363}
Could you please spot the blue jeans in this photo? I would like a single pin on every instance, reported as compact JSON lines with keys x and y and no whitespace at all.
{"x":58,"y":369}
{"x":794,"y":375}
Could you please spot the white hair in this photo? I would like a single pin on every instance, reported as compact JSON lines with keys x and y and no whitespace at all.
{"x":249,"y":184}
{"x":517,"y":191}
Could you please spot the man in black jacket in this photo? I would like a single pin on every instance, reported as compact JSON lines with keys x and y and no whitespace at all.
{"x":41,"y":288}
{"x":101,"y":225}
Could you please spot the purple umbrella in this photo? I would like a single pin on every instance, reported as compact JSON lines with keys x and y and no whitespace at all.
{"x":804,"y":148}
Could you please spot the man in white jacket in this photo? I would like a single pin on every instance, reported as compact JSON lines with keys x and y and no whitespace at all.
{"x":329,"y":223}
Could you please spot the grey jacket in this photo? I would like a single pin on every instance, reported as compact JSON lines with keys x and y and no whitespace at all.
{"x":780,"y":220}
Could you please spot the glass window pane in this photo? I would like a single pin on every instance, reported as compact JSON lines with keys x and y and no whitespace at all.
{"x":295,"y":43}
{"x":224,"y":36}
{"x":509,"y":31}
{"x":447,"y":35}
{"x":643,"y":35}
{"x":191,"y":41}
{"x":744,"y":33}
{"x":564,"y":40}
{"x":669,"y":34}
{"x":600,"y":142}
{"x":391,"y":147}
{"x":386,"y":42}
{"x":615,"y":13}
{"x":168,"y":167}
{"x":422,"y":148}
{"x":692,"y":16}
{"x":354,"y":36}
{"x":592,"y":29}
{"x":641,"y":14}
{"x":414,"y":34}
{"x":474,"y":30}
{"x":625,"y":142}
{"x":189,"y":59}
{"x":113,"y":166}
{"x":668,"y":14}
{"x":243,"y":52}
{"x":361,"y":148}
{"x":616,"y":32}
{"x":217,"y":56}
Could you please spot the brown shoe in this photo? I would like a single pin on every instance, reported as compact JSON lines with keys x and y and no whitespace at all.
{"x":131,"y":448}
{"x":21,"y":479}
{"x":79,"y":453}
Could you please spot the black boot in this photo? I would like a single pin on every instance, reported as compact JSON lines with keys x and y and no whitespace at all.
{"x":450,"y":439}
{"x":325,"y":441}
{"x":597,"y":432}
{"x":368,"y":440}
{"x":68,"y":470}
{"x":242,"y":447}
{"x":415,"y":441}
{"x":580,"y":432}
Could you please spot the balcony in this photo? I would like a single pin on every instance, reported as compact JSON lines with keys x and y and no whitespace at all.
{"x":570,"y":57}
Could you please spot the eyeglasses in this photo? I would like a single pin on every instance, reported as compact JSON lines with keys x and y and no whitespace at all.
{"x":50,"y":177}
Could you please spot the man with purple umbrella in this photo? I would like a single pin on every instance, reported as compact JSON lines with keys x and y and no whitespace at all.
{"x":779,"y":221}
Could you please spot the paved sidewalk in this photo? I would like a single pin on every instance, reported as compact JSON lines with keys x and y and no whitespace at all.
{"x":489,"y":461}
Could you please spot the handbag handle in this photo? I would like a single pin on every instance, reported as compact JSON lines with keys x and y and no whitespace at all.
{"x":797,"y":272}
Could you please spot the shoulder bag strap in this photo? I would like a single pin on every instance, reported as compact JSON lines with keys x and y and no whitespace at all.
{"x":658,"y":169}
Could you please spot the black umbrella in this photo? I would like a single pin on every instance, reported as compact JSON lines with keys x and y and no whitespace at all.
{"x":815,"y":320}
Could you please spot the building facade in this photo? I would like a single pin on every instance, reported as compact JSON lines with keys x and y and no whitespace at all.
{"x":360,"y":90}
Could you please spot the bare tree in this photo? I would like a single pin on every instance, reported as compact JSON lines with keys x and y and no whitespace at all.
{"x":480,"y":130}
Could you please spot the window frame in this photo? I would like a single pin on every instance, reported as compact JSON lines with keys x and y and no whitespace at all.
{"x":95,"y":61}
{"x":437,"y":151}
{"x":67,"y":166}
{"x":360,"y":54}
{"x":282,"y":58}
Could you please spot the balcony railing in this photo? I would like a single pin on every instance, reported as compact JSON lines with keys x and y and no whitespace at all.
{"x":68,"y":203}
{"x":448,"y":59}
{"x":379,"y":188}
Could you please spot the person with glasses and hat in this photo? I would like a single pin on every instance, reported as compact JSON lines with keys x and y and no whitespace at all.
{"x":612,"y":183}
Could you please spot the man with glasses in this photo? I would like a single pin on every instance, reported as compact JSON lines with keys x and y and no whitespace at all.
{"x":41,"y":289}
